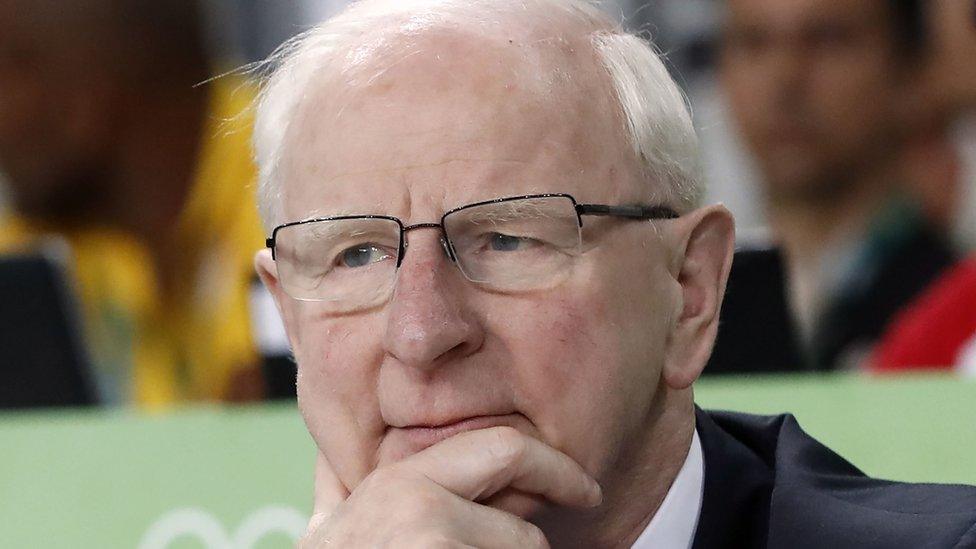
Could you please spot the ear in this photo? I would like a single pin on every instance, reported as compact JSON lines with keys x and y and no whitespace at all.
{"x":265,"y":266}
{"x":705,"y":243}
{"x":267,"y":271}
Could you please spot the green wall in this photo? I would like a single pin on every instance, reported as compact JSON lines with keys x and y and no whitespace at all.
{"x":122,"y":479}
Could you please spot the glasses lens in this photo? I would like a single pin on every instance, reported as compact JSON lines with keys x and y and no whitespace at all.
{"x":516,"y":245}
{"x":348,"y":263}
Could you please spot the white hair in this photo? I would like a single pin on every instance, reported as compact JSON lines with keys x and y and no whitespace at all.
{"x":657,"y":117}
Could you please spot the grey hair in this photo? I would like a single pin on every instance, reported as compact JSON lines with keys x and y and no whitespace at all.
{"x":655,"y":111}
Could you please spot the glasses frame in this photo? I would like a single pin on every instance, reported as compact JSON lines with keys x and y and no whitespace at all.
{"x":638,"y":212}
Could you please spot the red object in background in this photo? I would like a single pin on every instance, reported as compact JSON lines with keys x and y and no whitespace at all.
{"x":932,"y":331}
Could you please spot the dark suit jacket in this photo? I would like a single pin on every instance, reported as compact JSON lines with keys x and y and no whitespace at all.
{"x":770,"y":485}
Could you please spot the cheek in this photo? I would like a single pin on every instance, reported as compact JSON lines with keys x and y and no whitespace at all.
{"x":337,"y":368}
{"x":555,"y":337}
{"x":590,"y":358}
{"x":582,"y":379}
{"x":745,"y":93}
{"x":556,"y":383}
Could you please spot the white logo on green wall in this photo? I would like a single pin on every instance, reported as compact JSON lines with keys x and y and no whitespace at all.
{"x":204,"y":527}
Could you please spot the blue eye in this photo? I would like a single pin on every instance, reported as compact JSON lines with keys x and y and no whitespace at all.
{"x":361,"y":256}
{"x":505,"y":243}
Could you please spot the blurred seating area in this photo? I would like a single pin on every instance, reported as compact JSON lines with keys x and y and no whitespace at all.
{"x":841,"y":134}
{"x":121,"y":153}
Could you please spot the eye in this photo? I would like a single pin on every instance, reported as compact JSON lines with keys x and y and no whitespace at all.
{"x":499,"y":242}
{"x":362,"y":255}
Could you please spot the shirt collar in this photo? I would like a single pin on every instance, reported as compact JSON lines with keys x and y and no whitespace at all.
{"x":675,"y":522}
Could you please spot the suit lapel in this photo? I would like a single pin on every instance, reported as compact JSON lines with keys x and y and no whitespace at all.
{"x":738,"y":484}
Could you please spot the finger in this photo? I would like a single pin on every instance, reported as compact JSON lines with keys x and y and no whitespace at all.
{"x":489,"y":528}
{"x":477,"y":464}
{"x":329,"y":491}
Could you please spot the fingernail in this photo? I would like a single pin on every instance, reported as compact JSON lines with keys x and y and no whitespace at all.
{"x":596,"y":495}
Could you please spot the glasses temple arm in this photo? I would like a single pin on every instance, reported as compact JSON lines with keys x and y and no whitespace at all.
{"x":633,"y":212}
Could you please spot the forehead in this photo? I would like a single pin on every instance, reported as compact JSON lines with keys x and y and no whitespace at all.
{"x":453,"y":117}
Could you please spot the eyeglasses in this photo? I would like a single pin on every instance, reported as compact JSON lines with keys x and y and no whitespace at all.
{"x":513,"y":244}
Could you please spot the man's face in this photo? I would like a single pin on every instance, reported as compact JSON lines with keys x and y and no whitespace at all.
{"x":463,"y":120}
{"x":954,"y":48}
{"x":812,"y":86}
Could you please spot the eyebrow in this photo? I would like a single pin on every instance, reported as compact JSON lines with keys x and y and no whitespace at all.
{"x":502,"y":211}
{"x":319,"y":213}
{"x":507,"y":211}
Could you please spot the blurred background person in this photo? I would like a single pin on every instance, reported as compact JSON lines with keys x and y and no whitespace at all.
{"x":941,"y":160}
{"x":108,"y":143}
{"x":938,"y":329}
{"x":824,"y":94}
{"x":952,"y":86}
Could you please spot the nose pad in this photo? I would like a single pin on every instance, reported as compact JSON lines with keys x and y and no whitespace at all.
{"x":443,"y":239}
{"x":447,"y":250}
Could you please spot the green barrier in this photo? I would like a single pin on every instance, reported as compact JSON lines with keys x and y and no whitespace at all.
{"x":909,"y":428}
{"x":242,"y":477}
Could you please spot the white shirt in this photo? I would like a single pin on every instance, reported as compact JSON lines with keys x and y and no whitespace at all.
{"x":674,"y":524}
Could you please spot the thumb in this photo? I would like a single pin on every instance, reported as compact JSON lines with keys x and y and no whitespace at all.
{"x":329,"y":491}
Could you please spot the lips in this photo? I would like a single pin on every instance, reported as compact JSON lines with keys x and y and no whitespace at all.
{"x":414,"y":438}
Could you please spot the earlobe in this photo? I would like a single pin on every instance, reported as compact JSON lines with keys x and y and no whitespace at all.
{"x":704,"y":258}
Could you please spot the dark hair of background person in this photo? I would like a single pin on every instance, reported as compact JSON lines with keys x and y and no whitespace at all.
{"x":910,"y":30}
{"x":156,"y":43}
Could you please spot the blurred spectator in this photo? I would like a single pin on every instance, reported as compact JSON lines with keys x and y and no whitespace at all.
{"x":823,"y":93}
{"x":953,"y":85}
{"x":941,"y":163}
{"x":107,"y":143}
{"x":938,"y":330}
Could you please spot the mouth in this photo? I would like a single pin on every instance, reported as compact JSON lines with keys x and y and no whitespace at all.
{"x":418,"y":437}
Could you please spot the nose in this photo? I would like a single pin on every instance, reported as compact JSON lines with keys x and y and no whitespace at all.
{"x":429,"y":323}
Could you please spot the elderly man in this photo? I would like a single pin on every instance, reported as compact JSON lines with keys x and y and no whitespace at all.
{"x":499,"y":287}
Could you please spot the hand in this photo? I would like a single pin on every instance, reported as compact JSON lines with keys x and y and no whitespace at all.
{"x":430,"y":498}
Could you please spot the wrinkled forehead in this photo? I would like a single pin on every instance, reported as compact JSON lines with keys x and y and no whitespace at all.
{"x":518,"y":106}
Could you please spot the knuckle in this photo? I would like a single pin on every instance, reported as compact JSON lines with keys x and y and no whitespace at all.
{"x":418,"y":503}
{"x":507,"y":444}
{"x":404,"y":497}
{"x":387,"y":482}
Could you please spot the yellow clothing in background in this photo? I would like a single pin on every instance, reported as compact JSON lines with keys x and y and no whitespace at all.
{"x":150,"y":349}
